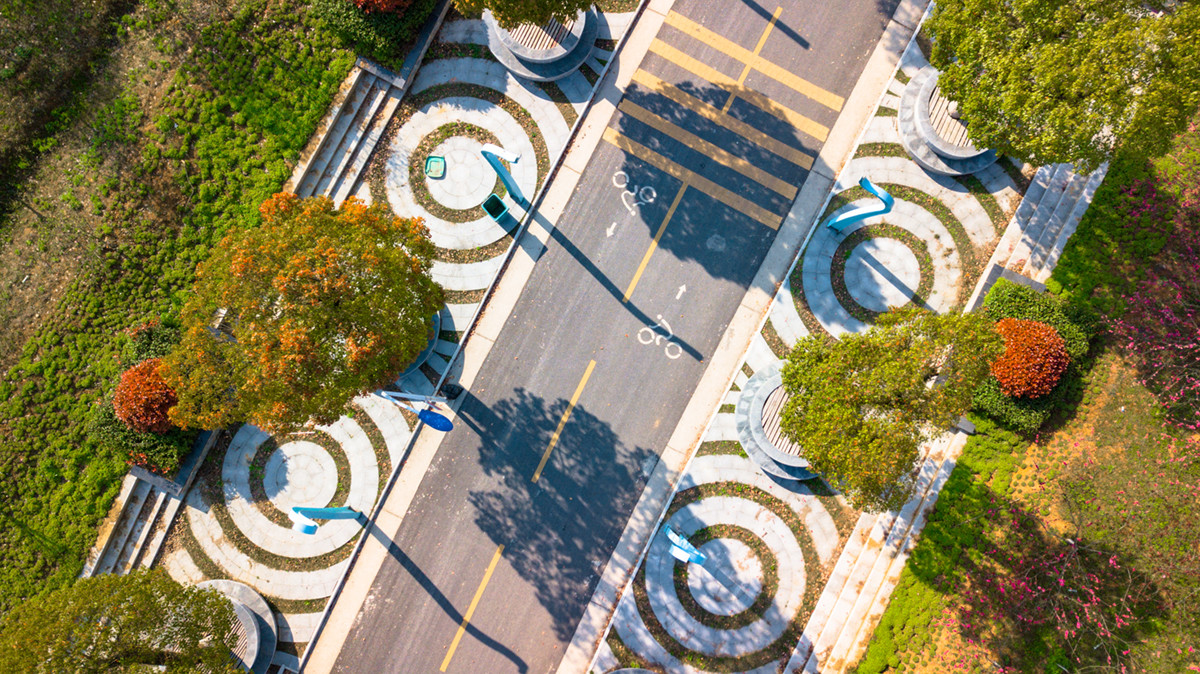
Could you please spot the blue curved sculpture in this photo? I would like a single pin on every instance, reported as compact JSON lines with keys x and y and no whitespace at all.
{"x":838,"y":222}
{"x":302,"y":518}
{"x":683,"y":550}
{"x":493,"y":154}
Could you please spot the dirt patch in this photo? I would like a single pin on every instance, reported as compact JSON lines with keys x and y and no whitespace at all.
{"x":66,"y":213}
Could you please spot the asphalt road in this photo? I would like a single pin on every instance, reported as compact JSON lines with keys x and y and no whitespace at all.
{"x":726,"y":182}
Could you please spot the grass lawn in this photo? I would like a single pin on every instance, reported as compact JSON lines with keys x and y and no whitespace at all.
{"x":184,"y":142}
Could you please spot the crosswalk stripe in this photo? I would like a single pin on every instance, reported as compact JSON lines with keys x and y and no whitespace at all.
{"x":712,"y":114}
{"x":725,"y":196}
{"x":762,"y":65}
{"x":705,"y":71}
{"x":704,"y":147}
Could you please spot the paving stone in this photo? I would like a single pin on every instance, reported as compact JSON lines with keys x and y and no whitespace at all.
{"x":483,"y":230}
{"x":463,"y":31}
{"x":723,"y":428}
{"x":274,"y":582}
{"x":614,"y":24}
{"x":472,"y":276}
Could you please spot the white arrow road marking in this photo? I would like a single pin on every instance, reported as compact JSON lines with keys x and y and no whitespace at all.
{"x":611,"y":228}
{"x":682,"y":290}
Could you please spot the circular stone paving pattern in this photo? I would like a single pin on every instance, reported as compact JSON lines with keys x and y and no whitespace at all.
{"x":468,"y":179}
{"x":882,"y":274}
{"x":300,"y":474}
{"x":734,"y":561}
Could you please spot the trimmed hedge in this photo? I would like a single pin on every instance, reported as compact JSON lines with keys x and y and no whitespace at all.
{"x":1026,"y":415}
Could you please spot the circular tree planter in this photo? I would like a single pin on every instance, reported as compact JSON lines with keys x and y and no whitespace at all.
{"x":757,"y":416}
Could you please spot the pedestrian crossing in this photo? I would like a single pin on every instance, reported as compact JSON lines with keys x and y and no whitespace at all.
{"x":725,"y":152}
{"x":712,"y":131}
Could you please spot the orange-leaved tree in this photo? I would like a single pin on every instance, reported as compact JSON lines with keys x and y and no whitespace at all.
{"x":320,"y":304}
{"x":1035,"y":358}
{"x":142,"y":399}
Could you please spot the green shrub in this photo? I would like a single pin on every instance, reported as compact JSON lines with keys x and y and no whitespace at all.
{"x":1026,"y":415}
{"x":1126,"y":225}
{"x":380,"y":36}
{"x":158,"y":452}
{"x":1011,"y":300}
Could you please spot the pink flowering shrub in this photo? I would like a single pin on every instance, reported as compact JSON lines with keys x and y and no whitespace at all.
{"x":1161,"y":329}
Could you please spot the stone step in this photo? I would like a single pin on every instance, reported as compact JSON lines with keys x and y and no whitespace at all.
{"x":348,"y":86}
{"x":1033,"y":194}
{"x":1058,"y":218}
{"x":869,"y":568}
{"x":154,"y":547}
{"x":108,"y":527}
{"x":325,"y":153}
{"x":142,"y":528}
{"x":346,"y":182}
{"x":1046,"y":266}
{"x":125,"y":526}
{"x":348,"y":146}
{"x":1032,"y":229}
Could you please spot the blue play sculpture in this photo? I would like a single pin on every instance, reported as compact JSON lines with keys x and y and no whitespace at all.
{"x":302,"y":518}
{"x":837,"y":222}
{"x":493,"y":154}
{"x":683,"y":550}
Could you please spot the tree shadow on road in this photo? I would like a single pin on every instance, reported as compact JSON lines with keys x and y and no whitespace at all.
{"x":558,"y":532}
{"x":705,"y":229}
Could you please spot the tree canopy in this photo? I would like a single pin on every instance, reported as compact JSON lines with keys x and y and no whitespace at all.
{"x":1069,"y":80}
{"x":112,"y":623}
{"x":510,"y":13}
{"x":860,"y":407}
{"x":321,"y":305}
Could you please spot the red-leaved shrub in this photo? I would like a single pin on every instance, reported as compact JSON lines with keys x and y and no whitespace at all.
{"x":369,"y":6}
{"x":142,"y":398}
{"x":1034,"y":359}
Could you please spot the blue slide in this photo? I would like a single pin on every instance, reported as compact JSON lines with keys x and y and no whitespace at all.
{"x":837,"y":222}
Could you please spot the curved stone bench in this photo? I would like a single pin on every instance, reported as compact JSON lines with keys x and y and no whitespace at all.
{"x":561,"y":52}
{"x":922,"y":141}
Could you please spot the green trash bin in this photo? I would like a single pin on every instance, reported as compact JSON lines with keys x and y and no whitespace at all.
{"x":494,"y":206}
{"x":435,"y":167}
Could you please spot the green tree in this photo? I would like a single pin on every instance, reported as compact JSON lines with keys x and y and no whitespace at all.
{"x":1069,"y":80}
{"x":860,"y":407}
{"x":511,"y":13}
{"x":322,"y":305}
{"x":115,"y":623}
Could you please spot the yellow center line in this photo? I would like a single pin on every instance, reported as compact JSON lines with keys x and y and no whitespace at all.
{"x":755,"y":61}
{"x":712,"y":114}
{"x":654,"y":244}
{"x":712,"y":189}
{"x":487,"y":575}
{"x":537,"y":474}
{"x":757,"y":49}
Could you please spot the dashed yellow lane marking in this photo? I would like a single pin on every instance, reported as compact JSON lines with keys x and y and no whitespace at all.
{"x":711,"y":113}
{"x":762,"y":40}
{"x":704,"y":147}
{"x":705,"y":71}
{"x":487,"y":575}
{"x":755,"y":61}
{"x":637,"y":276}
{"x":725,"y":196}
{"x":537,"y":474}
